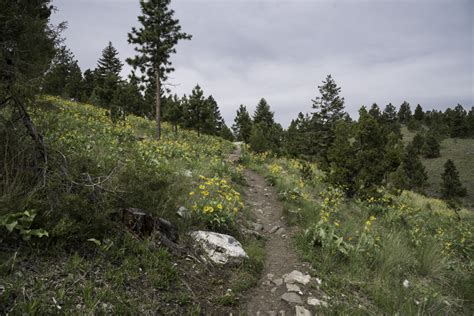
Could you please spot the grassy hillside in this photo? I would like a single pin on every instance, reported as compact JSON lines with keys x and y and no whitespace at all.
{"x":461,"y":152}
{"x":89,"y":263}
{"x":390,"y":254}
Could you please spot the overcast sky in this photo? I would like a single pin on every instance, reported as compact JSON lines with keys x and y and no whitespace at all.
{"x":378,"y":51}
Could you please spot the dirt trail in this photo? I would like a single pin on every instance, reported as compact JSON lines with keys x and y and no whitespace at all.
{"x":280,"y":253}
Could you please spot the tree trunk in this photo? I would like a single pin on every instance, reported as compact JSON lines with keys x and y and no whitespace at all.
{"x":158,"y":105}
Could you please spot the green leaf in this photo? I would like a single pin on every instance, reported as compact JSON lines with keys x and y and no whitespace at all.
{"x":11,"y":226}
{"x":95,"y":241}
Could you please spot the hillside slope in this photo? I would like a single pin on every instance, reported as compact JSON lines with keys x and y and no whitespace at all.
{"x":388,"y":254}
{"x":90,"y":262}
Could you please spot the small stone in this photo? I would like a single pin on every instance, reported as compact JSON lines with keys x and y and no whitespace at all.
{"x":318,"y":280}
{"x":281,"y":313}
{"x":406,"y":284}
{"x":267,"y":194}
{"x":257,"y":226}
{"x":312,"y":301}
{"x":274,"y":229}
{"x":270,"y":276}
{"x":273,"y":290}
{"x":272,"y":313}
{"x":182,"y":212}
{"x":280,"y":231}
{"x":293,"y":288}
{"x":278,"y":281}
{"x":292,"y":298}
{"x":259,"y":210}
{"x":301,"y":311}
{"x":297,"y":276}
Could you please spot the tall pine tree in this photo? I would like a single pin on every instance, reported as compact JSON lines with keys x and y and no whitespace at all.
{"x":451,"y":187}
{"x":156,"y":40}
{"x":242,"y":125}
{"x":329,"y":108}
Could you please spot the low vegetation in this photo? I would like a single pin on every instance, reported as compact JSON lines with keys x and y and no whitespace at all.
{"x":62,"y":247}
{"x":385,"y":254}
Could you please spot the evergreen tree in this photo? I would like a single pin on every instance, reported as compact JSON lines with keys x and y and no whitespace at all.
{"x":431,"y":147}
{"x":389,"y":114}
{"x":173,"y":111}
{"x":88,"y":85}
{"x":370,"y":147}
{"x":259,"y":141}
{"x":456,"y":120}
{"x":417,"y":143}
{"x":74,"y":84}
{"x":109,"y":64}
{"x":404,"y":113}
{"x":414,"y":170}
{"x":64,"y":72}
{"x":329,"y":108}
{"x":390,"y":123}
{"x":225,"y":132}
{"x":470,"y":122}
{"x":451,"y":186}
{"x":295,"y":138}
{"x":375,"y":112}
{"x":196,"y":110}
{"x":156,"y":40}
{"x":393,"y":153}
{"x":242,"y":125}
{"x":263,"y":115}
{"x":341,"y":155}
{"x":419,"y":115}
{"x":27,"y":45}
{"x":127,"y":99}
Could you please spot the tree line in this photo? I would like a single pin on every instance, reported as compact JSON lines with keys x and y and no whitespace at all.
{"x":361,"y":155}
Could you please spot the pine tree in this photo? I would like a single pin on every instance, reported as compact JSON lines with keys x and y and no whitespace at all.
{"x":173,"y":111}
{"x":195,"y":109}
{"x":329,"y":108}
{"x":456,"y":120}
{"x":404,"y":113}
{"x":431,"y":147}
{"x":370,"y":147}
{"x":263,"y":115}
{"x":389,"y":121}
{"x":375,"y":112}
{"x":156,"y":40}
{"x":242,"y":125}
{"x":258,"y":139}
{"x":341,"y":155}
{"x":419,"y":115}
{"x":64,"y":71}
{"x":417,"y":143}
{"x":74,"y":84}
{"x":88,"y":85}
{"x":451,"y":186}
{"x":393,"y":153}
{"x":295,"y":138}
{"x":414,"y":170}
{"x":109,"y":64}
{"x":27,"y":45}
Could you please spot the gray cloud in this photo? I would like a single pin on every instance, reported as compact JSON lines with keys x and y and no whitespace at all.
{"x":378,"y":51}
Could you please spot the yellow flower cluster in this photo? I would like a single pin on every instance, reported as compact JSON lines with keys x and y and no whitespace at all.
{"x":368,"y":223}
{"x":275,"y":169}
{"x":331,"y":199}
{"x":215,"y":196}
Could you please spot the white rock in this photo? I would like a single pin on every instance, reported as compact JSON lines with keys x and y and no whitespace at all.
{"x":301,"y":311}
{"x":274,"y":229}
{"x":297,"y":276}
{"x":318,"y":280}
{"x":292,"y":298}
{"x":312,"y":301}
{"x":220,"y":248}
{"x":406,"y":283}
{"x":278,"y":281}
{"x":183,"y":212}
{"x":293,"y":288}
